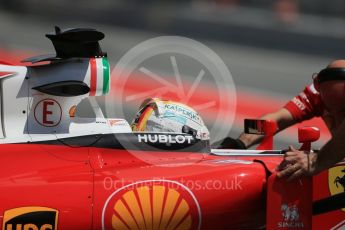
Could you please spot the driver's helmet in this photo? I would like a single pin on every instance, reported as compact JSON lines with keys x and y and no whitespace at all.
{"x":157,"y":115}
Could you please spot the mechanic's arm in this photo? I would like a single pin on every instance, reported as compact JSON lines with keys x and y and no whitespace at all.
{"x":283,"y":118}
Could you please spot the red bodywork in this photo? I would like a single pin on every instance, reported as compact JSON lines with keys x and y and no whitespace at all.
{"x":78,"y":182}
{"x":230,"y":191}
{"x":87,"y":185}
{"x":123,"y":188}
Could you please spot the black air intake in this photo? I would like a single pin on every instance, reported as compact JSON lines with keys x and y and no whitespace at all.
{"x":80,"y":42}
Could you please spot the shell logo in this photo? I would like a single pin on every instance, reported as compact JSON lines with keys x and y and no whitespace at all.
{"x":336,"y":180}
{"x":152,"y":205}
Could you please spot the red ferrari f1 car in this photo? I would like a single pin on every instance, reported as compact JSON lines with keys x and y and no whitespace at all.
{"x":60,"y":171}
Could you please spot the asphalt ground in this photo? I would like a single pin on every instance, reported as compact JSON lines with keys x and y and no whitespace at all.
{"x":264,"y":79}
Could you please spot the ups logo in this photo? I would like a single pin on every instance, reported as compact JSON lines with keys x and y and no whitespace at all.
{"x":336,"y":180}
{"x":30,"y":218}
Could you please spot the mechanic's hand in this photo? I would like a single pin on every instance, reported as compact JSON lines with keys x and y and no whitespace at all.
{"x":229,"y":143}
{"x":296,"y":164}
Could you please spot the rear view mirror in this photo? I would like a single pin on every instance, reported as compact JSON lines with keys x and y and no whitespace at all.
{"x":307,"y":135}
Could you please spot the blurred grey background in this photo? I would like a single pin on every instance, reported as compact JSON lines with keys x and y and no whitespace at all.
{"x":271,"y":47}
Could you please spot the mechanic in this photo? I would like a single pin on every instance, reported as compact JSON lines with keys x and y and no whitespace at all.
{"x":325,"y":98}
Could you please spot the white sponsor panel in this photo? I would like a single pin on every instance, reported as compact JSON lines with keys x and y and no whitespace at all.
{"x":165,"y":139}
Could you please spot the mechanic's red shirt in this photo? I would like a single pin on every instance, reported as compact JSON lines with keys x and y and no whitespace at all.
{"x":307,"y":105}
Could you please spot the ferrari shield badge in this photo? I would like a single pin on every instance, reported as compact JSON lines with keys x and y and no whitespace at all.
{"x":336,"y":180}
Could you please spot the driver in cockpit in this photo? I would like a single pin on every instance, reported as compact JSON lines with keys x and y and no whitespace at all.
{"x":157,"y":115}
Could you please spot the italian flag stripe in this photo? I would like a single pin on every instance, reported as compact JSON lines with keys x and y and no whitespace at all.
{"x":106,"y":76}
{"x":100,"y":76}
{"x":93,"y":77}
{"x":99,"y":87}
